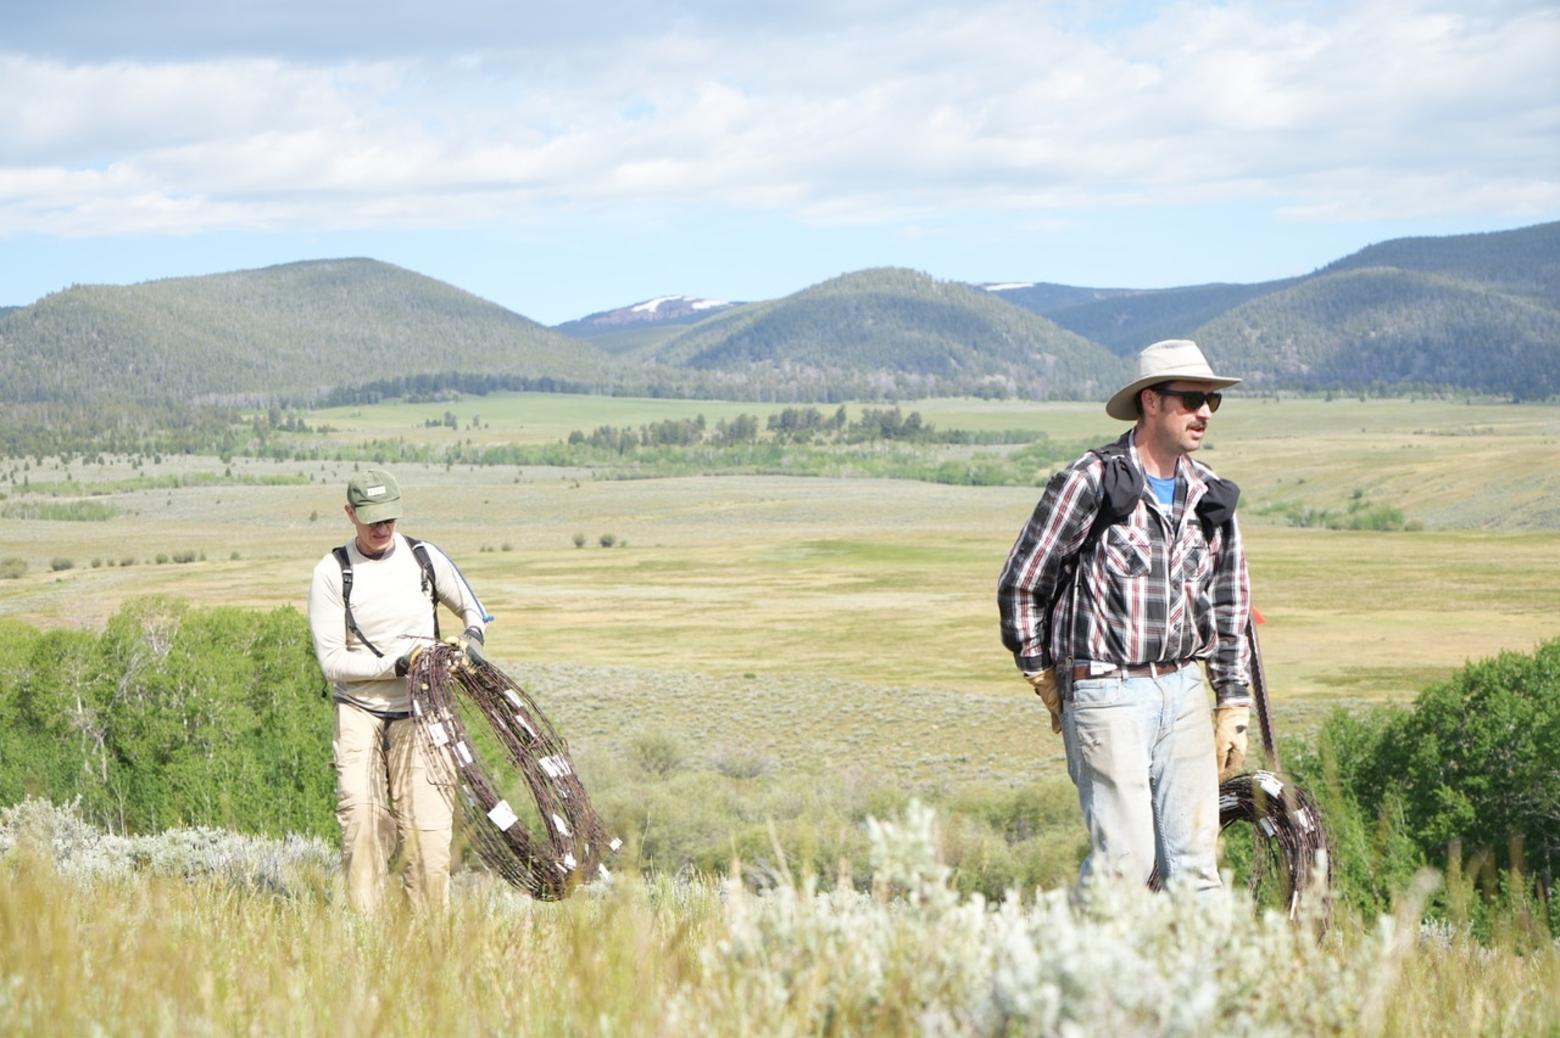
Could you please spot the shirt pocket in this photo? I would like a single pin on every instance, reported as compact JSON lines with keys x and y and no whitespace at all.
{"x":1198,"y":564}
{"x":1196,"y":558}
{"x":1127,"y":551}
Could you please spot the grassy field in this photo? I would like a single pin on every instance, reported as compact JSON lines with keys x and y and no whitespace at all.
{"x":767,"y":660}
{"x":887,"y":583}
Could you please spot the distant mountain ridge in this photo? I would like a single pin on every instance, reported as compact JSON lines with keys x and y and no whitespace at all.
{"x":1378,"y":328}
{"x":1476,"y":313}
{"x":1522,"y":262}
{"x":679,"y":309}
{"x":1045,"y":298}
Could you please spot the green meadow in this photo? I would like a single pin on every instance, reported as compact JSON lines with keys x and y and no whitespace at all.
{"x":883,"y":581}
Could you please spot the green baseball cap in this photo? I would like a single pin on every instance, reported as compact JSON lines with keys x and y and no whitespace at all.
{"x":375,"y":496}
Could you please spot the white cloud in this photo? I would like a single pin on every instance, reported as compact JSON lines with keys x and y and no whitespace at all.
{"x":903,"y":113}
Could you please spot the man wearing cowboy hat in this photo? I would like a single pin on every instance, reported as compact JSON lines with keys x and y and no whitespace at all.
{"x":1127,"y":579}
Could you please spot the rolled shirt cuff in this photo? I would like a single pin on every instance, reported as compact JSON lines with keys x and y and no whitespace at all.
{"x":1233,"y":694}
{"x":1031,"y":664}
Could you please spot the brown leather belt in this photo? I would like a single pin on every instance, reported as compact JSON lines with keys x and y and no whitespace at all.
{"x":1080,"y":671}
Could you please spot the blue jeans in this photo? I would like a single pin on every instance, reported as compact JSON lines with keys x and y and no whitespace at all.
{"x":1140,"y":751}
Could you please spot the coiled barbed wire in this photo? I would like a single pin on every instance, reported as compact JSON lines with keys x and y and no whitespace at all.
{"x":1287,"y":832}
{"x":520,"y":743}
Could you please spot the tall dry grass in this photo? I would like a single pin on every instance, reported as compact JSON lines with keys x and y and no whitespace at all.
{"x":154,"y":945}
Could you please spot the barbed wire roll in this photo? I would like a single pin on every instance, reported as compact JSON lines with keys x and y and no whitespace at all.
{"x":1287,"y":829}
{"x":565,"y":843}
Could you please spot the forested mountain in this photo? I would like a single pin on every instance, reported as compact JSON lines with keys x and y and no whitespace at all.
{"x":1383,"y":329}
{"x":293,"y":330}
{"x":1523,"y":262}
{"x":899,"y":330}
{"x":1472,"y":312}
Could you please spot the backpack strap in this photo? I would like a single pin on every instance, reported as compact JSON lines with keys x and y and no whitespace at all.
{"x":424,"y":562}
{"x":345,"y":561}
{"x":1217,"y":506}
{"x":1121,"y":484}
{"x":429,"y":581}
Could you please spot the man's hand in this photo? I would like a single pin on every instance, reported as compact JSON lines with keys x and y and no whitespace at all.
{"x":1044,"y":684}
{"x":469,"y":642}
{"x":404,"y":664}
{"x":1229,"y":738}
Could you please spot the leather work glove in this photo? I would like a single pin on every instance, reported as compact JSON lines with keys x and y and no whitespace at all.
{"x":1229,"y":738}
{"x":469,"y":642}
{"x":1044,"y":684}
{"x":404,"y":664}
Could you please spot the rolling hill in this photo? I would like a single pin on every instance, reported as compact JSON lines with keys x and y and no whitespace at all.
{"x":1524,"y":262}
{"x":900,"y":330}
{"x":1381,"y":328}
{"x":295,"y":330}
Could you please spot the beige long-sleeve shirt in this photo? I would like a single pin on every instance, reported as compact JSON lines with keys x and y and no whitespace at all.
{"x":393,"y":609}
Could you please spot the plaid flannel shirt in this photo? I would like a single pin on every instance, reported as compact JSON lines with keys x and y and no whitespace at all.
{"x":1150,"y":589}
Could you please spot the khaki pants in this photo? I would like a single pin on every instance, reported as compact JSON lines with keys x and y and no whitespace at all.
{"x":386,"y":797}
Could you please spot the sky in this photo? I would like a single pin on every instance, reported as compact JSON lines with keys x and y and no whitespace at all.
{"x":564,"y":161}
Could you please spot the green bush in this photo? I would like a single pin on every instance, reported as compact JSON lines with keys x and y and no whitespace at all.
{"x":172,"y":716}
{"x":60,"y":511}
{"x":60,"y":563}
{"x":657,"y":753}
{"x":1466,"y":779}
{"x":12,"y":567}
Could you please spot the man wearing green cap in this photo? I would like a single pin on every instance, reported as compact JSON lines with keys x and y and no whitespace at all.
{"x":1128,"y":579}
{"x":372,"y":607}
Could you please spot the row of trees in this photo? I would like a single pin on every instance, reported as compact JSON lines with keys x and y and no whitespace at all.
{"x":791,"y":425}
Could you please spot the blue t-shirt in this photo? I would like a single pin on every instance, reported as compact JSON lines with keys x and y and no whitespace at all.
{"x":1164,"y":489}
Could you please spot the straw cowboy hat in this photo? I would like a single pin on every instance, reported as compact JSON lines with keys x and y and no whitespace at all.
{"x":1163,"y":362}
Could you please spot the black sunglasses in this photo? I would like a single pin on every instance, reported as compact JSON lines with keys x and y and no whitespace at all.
{"x":1193,"y":399}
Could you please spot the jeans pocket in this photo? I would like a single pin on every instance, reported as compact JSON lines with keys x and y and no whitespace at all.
{"x":1095,"y":693}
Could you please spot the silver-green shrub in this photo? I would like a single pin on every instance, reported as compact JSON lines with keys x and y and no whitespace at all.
{"x":914,"y":956}
{"x":290,"y":866}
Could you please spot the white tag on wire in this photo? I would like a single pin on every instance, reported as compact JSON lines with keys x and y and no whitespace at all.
{"x":503,"y":815}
